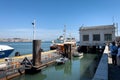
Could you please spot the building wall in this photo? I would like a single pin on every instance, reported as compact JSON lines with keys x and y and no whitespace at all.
{"x":101,"y":31}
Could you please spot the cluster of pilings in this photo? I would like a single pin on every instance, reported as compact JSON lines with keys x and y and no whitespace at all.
{"x":91,"y":49}
{"x":35,"y":65}
{"x":67,"y":51}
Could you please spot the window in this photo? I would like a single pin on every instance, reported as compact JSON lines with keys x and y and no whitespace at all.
{"x":108,"y":37}
{"x":85,"y":37}
{"x":96,"y":37}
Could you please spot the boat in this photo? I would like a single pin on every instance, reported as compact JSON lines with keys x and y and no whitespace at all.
{"x":70,"y":40}
{"x":63,"y":40}
{"x":5,"y":51}
{"x":77,"y":54}
{"x":61,"y":60}
{"x":56,"y":42}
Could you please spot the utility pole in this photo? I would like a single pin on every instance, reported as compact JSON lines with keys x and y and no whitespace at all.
{"x":33,"y":23}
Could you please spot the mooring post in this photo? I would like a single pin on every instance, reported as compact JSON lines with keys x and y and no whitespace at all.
{"x":36,"y":52}
{"x":67,"y":50}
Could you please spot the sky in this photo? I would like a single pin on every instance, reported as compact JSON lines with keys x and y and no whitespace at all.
{"x":16,"y":17}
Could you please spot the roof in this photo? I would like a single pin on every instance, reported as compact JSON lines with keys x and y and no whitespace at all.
{"x":97,"y":27}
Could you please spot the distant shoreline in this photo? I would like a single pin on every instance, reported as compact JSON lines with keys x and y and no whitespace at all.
{"x":15,"y":40}
{"x":18,"y":40}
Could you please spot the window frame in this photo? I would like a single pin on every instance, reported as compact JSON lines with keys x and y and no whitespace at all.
{"x":107,"y":37}
{"x":96,"y":37}
{"x":85,"y":37}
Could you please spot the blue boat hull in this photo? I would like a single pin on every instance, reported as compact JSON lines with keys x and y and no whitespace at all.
{"x":5,"y":53}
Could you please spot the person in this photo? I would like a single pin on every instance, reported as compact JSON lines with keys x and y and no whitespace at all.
{"x":110,"y":47}
{"x":113,"y":51}
{"x":118,"y":56}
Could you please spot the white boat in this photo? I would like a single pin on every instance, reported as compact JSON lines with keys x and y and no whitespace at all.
{"x":63,"y":40}
{"x":77,"y":54}
{"x":56,"y":42}
{"x":5,"y":51}
{"x":71,"y":41}
{"x":61,"y":60}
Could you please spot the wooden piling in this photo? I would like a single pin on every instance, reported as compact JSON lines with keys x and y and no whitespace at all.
{"x":67,"y":50}
{"x":36,"y":52}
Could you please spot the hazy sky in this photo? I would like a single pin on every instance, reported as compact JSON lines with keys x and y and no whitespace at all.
{"x":16,"y":17}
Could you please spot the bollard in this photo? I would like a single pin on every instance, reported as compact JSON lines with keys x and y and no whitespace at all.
{"x":36,"y":52}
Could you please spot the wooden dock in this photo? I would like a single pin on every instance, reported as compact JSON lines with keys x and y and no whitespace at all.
{"x":47,"y":58}
{"x":11,"y":70}
{"x":32,"y":63}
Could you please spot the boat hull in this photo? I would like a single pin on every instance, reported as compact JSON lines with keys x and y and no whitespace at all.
{"x":5,"y":53}
{"x":53,"y":47}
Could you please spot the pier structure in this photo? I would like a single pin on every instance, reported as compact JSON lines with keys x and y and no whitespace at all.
{"x":36,"y":52}
{"x":36,"y":64}
{"x":95,"y":49}
{"x":102,"y":69}
{"x":67,"y":51}
{"x":106,"y":70}
{"x":94,"y":38}
{"x":10,"y":69}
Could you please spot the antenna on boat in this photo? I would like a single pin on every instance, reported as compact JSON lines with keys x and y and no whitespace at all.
{"x":117,"y":29}
{"x":33,"y":23}
{"x":64,"y":33}
{"x":113,"y":20}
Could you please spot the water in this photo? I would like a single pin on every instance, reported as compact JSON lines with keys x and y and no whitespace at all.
{"x":76,"y":69}
{"x":25,"y":47}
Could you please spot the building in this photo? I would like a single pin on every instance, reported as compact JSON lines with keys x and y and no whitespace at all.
{"x":96,"y":35}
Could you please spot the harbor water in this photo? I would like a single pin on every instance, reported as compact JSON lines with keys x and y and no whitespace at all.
{"x":25,"y":47}
{"x":76,"y":69}
{"x":79,"y":68}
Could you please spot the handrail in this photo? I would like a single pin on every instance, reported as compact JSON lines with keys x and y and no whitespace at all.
{"x":102,"y":70}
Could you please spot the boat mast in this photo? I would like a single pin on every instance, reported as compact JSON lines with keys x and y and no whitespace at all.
{"x":64,"y":33}
{"x":33,"y":23}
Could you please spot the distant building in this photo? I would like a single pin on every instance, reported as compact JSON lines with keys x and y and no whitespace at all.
{"x":96,"y":35}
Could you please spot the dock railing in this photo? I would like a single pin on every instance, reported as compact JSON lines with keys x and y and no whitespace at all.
{"x":102,"y":70}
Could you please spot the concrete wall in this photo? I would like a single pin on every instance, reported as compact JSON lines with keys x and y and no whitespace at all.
{"x":97,"y":30}
{"x":102,"y":70}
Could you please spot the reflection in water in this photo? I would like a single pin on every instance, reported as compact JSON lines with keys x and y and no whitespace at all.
{"x":67,"y":69}
{"x":76,"y":69}
{"x":39,"y":76}
{"x":88,"y":66}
